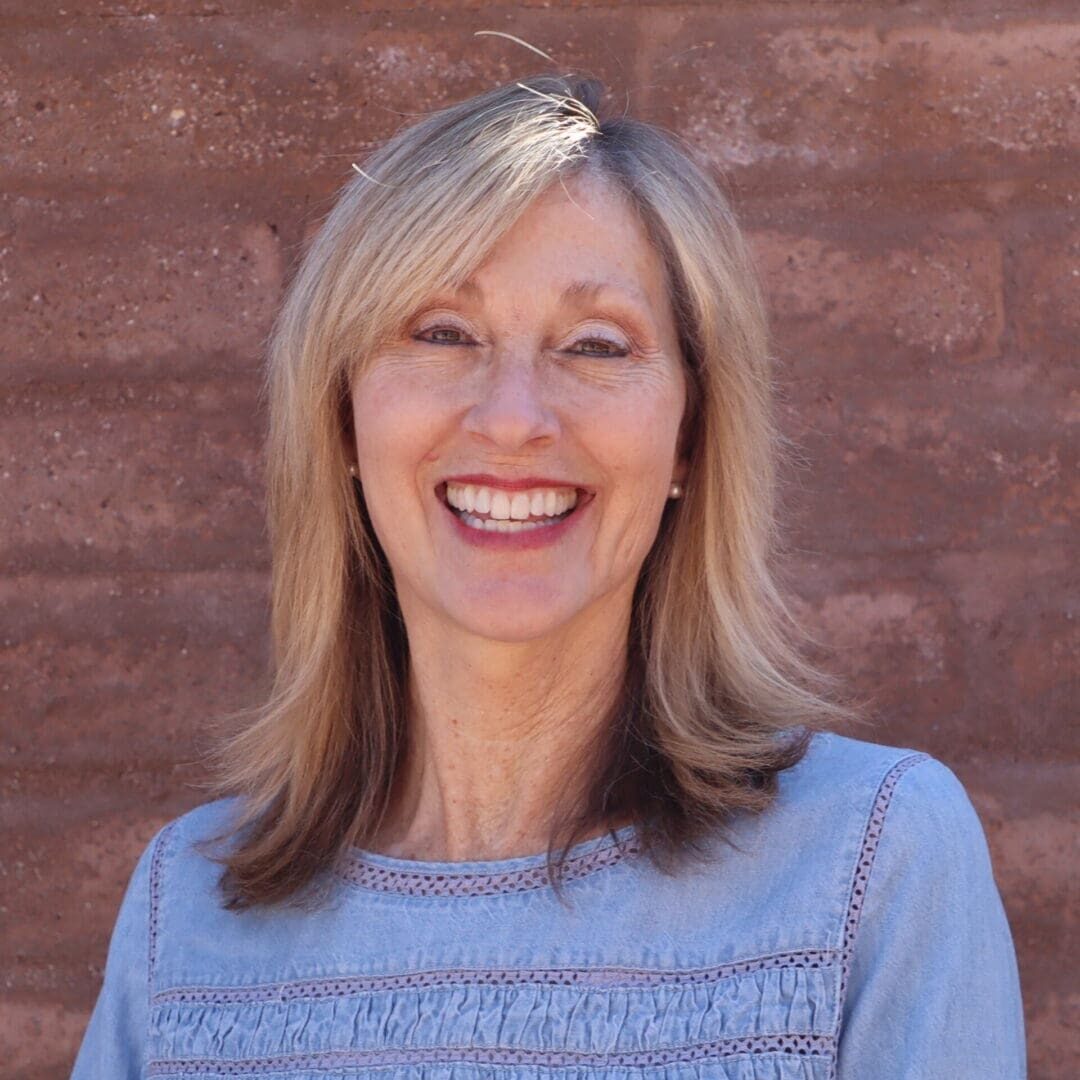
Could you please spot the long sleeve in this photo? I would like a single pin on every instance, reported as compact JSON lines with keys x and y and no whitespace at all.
{"x":933,"y":990}
{"x":115,"y":1042}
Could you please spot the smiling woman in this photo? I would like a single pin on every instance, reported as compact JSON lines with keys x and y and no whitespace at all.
{"x":506,"y":408}
{"x":544,"y":787}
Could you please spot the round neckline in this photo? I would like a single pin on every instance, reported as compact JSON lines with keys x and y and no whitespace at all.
{"x":482,"y":877}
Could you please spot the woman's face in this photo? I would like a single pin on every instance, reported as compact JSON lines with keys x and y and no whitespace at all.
{"x":516,"y":443}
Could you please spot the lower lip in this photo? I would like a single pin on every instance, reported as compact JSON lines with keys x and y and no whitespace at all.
{"x":541,"y":536}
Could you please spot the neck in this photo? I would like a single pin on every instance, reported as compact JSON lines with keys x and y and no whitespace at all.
{"x":495,"y":729}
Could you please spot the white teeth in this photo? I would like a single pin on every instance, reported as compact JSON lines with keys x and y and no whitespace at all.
{"x":518,"y":506}
{"x":491,"y":525}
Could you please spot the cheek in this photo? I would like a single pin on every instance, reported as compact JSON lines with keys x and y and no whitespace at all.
{"x":634,"y":435}
{"x":633,"y":439}
{"x":394,"y":424}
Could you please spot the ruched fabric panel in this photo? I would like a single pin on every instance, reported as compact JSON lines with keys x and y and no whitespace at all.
{"x":536,"y":1020}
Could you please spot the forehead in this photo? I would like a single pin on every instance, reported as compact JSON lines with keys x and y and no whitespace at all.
{"x":581,"y":239}
{"x":577,"y":289}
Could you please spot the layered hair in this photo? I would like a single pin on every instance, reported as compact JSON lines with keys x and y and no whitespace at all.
{"x":716,"y":699}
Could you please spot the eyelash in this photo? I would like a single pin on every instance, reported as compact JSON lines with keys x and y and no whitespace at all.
{"x":619,"y":352}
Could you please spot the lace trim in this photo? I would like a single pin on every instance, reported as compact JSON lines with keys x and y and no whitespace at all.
{"x":585,"y":977}
{"x":359,"y":870}
{"x":786,"y":1043}
{"x":871,"y":838}
{"x":156,"y":868}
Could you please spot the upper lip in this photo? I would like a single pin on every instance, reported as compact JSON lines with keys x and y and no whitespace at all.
{"x":519,"y":484}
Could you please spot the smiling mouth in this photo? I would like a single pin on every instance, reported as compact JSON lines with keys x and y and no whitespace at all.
{"x":495,"y":510}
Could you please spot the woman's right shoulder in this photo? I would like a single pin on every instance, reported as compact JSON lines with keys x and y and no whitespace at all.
{"x":205,"y":821}
{"x":193,"y":937}
{"x":179,"y":859}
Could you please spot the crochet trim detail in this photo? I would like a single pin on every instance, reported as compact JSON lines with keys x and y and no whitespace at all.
{"x":785,"y":1043}
{"x":156,"y":869}
{"x":596,"y":978}
{"x":369,"y":874}
{"x":875,"y":824}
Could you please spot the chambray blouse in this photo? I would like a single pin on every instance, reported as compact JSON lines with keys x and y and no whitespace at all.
{"x":857,"y":934}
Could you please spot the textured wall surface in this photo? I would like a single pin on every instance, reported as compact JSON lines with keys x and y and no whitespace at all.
{"x":907,"y":173}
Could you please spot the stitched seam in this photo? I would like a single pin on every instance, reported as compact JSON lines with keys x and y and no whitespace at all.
{"x":805,"y":1045}
{"x":872,"y":832}
{"x":616,"y":978}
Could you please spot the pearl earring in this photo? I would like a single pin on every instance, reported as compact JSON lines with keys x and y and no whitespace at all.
{"x":352,"y":470}
{"x":675,"y":491}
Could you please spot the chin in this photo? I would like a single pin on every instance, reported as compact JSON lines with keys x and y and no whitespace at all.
{"x":513,"y":622}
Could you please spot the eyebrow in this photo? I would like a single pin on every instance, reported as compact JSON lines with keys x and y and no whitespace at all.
{"x":584,"y":289}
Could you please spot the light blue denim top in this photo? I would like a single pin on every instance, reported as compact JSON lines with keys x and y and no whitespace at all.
{"x":857,"y":934}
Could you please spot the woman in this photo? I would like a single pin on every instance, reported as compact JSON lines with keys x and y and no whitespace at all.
{"x":543,"y":788}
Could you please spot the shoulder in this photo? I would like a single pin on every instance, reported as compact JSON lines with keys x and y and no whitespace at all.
{"x":180,"y":861}
{"x":862,"y":780}
{"x":918,"y":821}
{"x":856,"y":816}
{"x":185,"y":837}
{"x":899,"y":820}
{"x":200,"y":825}
{"x":193,"y":937}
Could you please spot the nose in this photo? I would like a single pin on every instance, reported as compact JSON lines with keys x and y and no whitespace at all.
{"x":511,"y":408}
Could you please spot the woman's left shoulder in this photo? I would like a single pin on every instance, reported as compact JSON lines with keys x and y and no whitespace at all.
{"x":859,"y":774}
{"x":896,"y":806}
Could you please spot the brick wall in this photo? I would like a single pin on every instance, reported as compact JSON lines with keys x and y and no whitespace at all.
{"x":907,"y":174}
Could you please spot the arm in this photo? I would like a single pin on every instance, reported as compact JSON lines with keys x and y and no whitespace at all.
{"x":115,"y":1042}
{"x":932,"y":989}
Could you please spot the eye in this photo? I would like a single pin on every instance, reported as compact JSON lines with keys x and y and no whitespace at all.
{"x":608,"y":347}
{"x":428,"y":333}
{"x":447,"y":334}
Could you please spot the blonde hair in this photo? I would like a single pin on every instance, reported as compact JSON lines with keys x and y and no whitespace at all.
{"x":716,"y":699}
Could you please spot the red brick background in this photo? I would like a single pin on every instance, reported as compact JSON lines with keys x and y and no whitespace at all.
{"x":907,"y":173}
